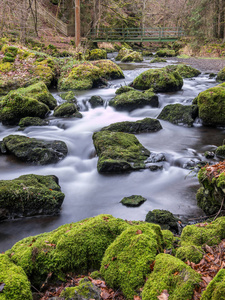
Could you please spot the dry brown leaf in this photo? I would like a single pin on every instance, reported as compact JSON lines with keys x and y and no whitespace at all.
{"x":139,"y":231}
{"x":105,"y":294}
{"x":164,"y":295}
{"x":137,"y":298}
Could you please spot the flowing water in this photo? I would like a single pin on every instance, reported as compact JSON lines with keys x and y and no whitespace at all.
{"x":89,"y":193}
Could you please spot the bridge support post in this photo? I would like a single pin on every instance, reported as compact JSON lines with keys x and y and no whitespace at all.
{"x":77,"y":22}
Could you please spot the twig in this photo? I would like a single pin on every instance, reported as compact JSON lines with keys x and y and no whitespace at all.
{"x":219,"y":210}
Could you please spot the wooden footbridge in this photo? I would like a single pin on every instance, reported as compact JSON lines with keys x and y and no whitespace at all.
{"x":163,"y":34}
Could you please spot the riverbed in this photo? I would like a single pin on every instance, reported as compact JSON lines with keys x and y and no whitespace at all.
{"x":88,"y":193}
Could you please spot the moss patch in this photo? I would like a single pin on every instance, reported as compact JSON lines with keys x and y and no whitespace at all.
{"x":134,"y":200}
{"x":216,"y":288}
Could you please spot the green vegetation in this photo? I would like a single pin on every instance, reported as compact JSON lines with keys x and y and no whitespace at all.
{"x":216,"y":288}
{"x":164,"y":218}
{"x":96,"y":54}
{"x":66,"y":110}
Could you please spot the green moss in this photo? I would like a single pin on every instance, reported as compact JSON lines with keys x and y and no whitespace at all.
{"x":164,"y":218}
{"x":119,"y":151}
{"x":108,"y":69}
{"x":66,"y":110}
{"x":165,"y":52}
{"x":221,"y":75}
{"x":179,"y":114}
{"x":76,"y":247}
{"x":147,"y":53}
{"x":123,"y":52}
{"x":124,"y":89}
{"x":68,"y":96}
{"x":220,"y":152}
{"x":168,"y":240}
{"x":157,"y":60}
{"x":10,"y":49}
{"x":6,"y":66}
{"x":134,"y":200}
{"x":161,"y":80}
{"x":8,"y":59}
{"x":127,"y":260}
{"x":17,"y":286}
{"x":29,"y":121}
{"x":216,"y":288}
{"x":190,"y":252}
{"x":173,"y":275}
{"x":132,"y":57}
{"x":96,"y":54}
{"x":187,"y":71}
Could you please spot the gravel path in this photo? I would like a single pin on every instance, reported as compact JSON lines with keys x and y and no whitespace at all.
{"x":203,"y":65}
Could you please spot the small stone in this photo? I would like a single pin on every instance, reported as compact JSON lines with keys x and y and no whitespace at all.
{"x":134,"y":200}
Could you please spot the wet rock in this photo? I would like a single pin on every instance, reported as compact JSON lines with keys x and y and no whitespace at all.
{"x":119,"y":152}
{"x":134,"y":200}
{"x":179,"y":114}
{"x":220,"y":152}
{"x":35,"y":121}
{"x":157,"y":60}
{"x":30,"y":195}
{"x":164,"y":218}
{"x":123,"y":52}
{"x":145,"y":125}
{"x":96,"y":101}
{"x":221,"y":75}
{"x":134,"y":99}
{"x":124,"y":89}
{"x":160,"y":80}
{"x":67,"y":110}
{"x":165,"y":53}
{"x":68,"y":96}
{"x":35,"y":151}
{"x":96,"y":54}
{"x":147,"y":53}
{"x":156,"y":157}
{"x":132,"y":57}
{"x":154,"y":168}
{"x":209,"y":154}
{"x":184,"y":70}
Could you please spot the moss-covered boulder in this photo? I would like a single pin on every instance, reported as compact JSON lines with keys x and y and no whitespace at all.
{"x":96,"y":54}
{"x":220,"y":152}
{"x":160,"y":80}
{"x":127,"y":260}
{"x":132,"y":57}
{"x":134,"y":99}
{"x":144,"y":125}
{"x":164,"y":218}
{"x":147,"y":53}
{"x":96,"y":101}
{"x":179,"y":114}
{"x":211,"y":195}
{"x":68,"y":96}
{"x":157,"y":60}
{"x":13,"y":281}
{"x":211,"y":104}
{"x":86,"y":75}
{"x":35,"y":151}
{"x":32,"y":121}
{"x":173,"y":276}
{"x":193,"y":237}
{"x":165,"y":53}
{"x":77,"y":247}
{"x":124,"y":89}
{"x":185,"y":71}
{"x":123,"y":52}
{"x":221,"y":75}
{"x":67,"y":110}
{"x":133,"y":201}
{"x":119,"y":152}
{"x":85,"y":290}
{"x":30,"y":195}
{"x":216,"y":288}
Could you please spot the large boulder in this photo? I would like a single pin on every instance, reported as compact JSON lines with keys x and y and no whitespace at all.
{"x":86,"y":75}
{"x":127,"y":260}
{"x":30,"y":195}
{"x":96,"y":54}
{"x":144,"y":125}
{"x":14,"y":284}
{"x":96,"y":101}
{"x":32,"y":121}
{"x":160,"y":80}
{"x":184,"y":70}
{"x":170,"y":278}
{"x":67,"y":110}
{"x":211,"y":195}
{"x":165,"y":53}
{"x":132,"y":57}
{"x":134,"y":99}
{"x":119,"y":152}
{"x":123,"y":52}
{"x":179,"y":114}
{"x":124,"y":89}
{"x":211,"y":104}
{"x":34,"y":151}
{"x":164,"y":218}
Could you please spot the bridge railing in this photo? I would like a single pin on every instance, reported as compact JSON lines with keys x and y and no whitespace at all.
{"x":136,"y":34}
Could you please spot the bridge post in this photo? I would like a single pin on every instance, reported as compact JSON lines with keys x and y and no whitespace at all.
{"x":77,"y":22}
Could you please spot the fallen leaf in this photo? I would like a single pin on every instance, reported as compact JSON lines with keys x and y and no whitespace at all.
{"x":137,"y":298}
{"x":138,"y":231}
{"x":106,"y":266}
{"x":164,"y":295}
{"x":114,"y":258}
{"x":105,"y":294}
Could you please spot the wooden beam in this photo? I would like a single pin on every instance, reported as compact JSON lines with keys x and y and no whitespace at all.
{"x":77,"y":23}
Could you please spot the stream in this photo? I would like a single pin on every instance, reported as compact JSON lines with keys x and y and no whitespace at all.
{"x":88,"y":193}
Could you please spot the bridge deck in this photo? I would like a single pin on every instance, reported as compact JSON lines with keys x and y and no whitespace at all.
{"x":163,"y":34}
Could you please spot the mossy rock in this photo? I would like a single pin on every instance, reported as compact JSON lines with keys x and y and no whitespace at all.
{"x":168,"y":240}
{"x":211,"y":104}
{"x":10,"y":49}
{"x":124,"y":89}
{"x":67,"y":110}
{"x":8,"y":59}
{"x":126,"y":262}
{"x":179,"y":114}
{"x":85,"y":290}
{"x":165,"y":53}
{"x":108,"y":69}
{"x":134,"y":99}
{"x":29,"y":121}
{"x":172,"y":275}
{"x":132,"y":57}
{"x":16,"y":106}
{"x":68,"y":96}
{"x":164,"y":218}
{"x":145,"y":125}
{"x":221,"y":75}
{"x":147,"y":53}
{"x":193,"y":237}
{"x":210,"y":196}
{"x":157,"y":60}
{"x":96,"y":54}
{"x":46,"y":70}
{"x":123,"y":52}
{"x":35,"y":151}
{"x":96,"y":101}
{"x":16,"y":284}
{"x":119,"y":152}
{"x":77,"y":247}
{"x":186,"y":71}
{"x":220,"y":152}
{"x":133,"y":201}
{"x":30,"y":195}
{"x":215,"y":290}
{"x":160,"y":80}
